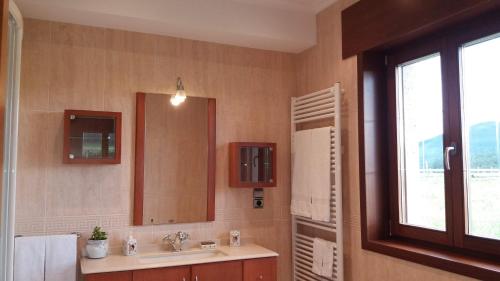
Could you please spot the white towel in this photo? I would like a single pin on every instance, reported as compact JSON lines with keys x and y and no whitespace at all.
{"x":311,"y":187}
{"x":60,"y":258}
{"x":320,"y":174}
{"x":29,"y":259}
{"x":317,"y":267}
{"x":323,"y":255}
{"x":328,"y":256}
{"x":301,"y":194}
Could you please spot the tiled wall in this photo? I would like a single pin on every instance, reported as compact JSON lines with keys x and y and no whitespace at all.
{"x":75,"y":67}
{"x":318,"y":68}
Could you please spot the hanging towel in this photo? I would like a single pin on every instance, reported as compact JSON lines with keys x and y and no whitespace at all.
{"x":323,"y":255}
{"x":29,"y":259}
{"x":328,"y":257}
{"x":311,"y":187}
{"x":317,"y":266}
{"x":320,"y":174}
{"x":60,"y":258}
{"x":301,"y":194}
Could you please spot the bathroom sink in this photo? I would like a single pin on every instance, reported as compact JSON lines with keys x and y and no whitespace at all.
{"x":181,"y":256}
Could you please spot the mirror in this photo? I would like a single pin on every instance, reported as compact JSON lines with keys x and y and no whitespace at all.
{"x":175,"y":160}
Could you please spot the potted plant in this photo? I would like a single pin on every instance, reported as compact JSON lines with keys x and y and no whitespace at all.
{"x":97,"y":245}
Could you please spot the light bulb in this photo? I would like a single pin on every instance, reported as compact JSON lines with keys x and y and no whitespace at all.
{"x":180,"y":94}
{"x":175,"y":100}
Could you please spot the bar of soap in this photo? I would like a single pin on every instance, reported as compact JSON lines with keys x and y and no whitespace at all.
{"x":207,"y":244}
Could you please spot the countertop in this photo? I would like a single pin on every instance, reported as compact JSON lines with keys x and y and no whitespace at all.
{"x":113,"y":263}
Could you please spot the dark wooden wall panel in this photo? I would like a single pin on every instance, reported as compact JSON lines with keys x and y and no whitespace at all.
{"x":372,"y":133}
{"x":370,"y":24}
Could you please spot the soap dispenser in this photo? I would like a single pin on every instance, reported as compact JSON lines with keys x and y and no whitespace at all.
{"x":130,"y":246}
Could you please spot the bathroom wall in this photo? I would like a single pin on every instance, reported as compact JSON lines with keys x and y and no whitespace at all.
{"x":320,"y":67}
{"x":68,"y":66}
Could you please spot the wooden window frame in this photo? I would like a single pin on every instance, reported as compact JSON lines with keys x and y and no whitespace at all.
{"x":452,"y":250}
{"x":407,"y":54}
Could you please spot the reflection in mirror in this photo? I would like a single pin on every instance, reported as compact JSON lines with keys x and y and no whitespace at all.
{"x":176,"y":160}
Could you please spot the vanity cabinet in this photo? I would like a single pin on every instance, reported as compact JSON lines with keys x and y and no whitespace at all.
{"x":260,"y":269}
{"x":221,"y":271}
{"x":111,"y":276}
{"x":181,"y":273}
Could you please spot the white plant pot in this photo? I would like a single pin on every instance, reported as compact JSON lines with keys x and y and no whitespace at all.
{"x":97,"y":249}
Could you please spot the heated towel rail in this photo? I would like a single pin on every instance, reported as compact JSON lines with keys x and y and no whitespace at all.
{"x":320,"y":109}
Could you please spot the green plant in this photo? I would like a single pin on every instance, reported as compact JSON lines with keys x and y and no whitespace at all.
{"x":98,"y":234}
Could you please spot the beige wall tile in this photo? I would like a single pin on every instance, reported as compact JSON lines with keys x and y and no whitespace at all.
{"x":32,"y":170}
{"x":77,"y":69}
{"x":36,"y":65}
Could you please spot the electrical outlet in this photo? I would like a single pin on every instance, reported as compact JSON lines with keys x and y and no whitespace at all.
{"x":258,"y":198}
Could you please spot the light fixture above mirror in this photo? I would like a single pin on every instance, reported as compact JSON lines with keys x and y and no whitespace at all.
{"x":180,"y":94}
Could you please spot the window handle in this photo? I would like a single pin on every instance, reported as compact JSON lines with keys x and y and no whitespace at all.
{"x":449,"y":151}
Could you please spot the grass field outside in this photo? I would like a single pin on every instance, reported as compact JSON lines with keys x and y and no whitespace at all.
{"x":426,"y":207}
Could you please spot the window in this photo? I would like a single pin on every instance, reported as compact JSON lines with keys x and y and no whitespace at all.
{"x":445,"y":155}
{"x":429,"y":141}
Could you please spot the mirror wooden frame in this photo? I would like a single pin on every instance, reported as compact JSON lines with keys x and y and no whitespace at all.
{"x":139,"y":159}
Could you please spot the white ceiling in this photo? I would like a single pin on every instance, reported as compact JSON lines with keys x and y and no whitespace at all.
{"x":282,"y":25}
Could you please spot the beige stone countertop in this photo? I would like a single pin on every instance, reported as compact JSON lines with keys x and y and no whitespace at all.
{"x":115,"y":262}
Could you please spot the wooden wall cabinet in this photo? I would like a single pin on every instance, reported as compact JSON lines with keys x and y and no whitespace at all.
{"x":92,"y":137}
{"x":252,"y":164}
{"x":263,"y":269}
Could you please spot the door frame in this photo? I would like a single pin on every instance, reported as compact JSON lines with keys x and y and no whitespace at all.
{"x":11,"y":35}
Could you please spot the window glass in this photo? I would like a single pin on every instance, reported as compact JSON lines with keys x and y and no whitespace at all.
{"x":480,"y":66}
{"x":420,"y":143}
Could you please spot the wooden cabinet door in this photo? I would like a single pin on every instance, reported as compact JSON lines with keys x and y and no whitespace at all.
{"x":222,"y":271}
{"x":111,"y":276}
{"x":260,"y":269}
{"x":181,"y":273}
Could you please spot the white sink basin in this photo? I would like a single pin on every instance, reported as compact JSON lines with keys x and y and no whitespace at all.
{"x":189,"y":255}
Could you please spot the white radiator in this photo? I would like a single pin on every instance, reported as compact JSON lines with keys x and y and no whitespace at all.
{"x":317,"y":108}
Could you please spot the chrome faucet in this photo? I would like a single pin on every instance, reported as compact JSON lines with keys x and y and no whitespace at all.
{"x":176,"y":240}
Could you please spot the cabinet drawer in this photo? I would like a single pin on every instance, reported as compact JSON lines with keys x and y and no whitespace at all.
{"x":111,"y":276}
{"x":182,"y":273}
{"x":260,"y":269}
{"x":222,"y":271}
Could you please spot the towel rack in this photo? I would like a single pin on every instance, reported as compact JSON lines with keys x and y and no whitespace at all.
{"x":78,"y":235}
{"x":309,"y":109}
{"x":304,"y":260}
